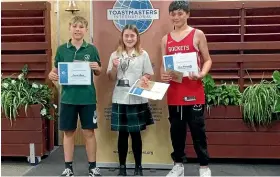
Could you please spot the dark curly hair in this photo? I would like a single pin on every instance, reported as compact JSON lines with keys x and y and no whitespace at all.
{"x":179,"y":5}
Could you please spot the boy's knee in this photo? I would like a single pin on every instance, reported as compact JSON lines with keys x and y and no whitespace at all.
{"x":88,"y":133}
{"x":69,"y":133}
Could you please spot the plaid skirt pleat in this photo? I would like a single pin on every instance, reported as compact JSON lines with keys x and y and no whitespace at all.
{"x":131,"y":118}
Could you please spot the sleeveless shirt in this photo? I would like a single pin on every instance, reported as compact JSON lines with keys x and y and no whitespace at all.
{"x":189,"y":92}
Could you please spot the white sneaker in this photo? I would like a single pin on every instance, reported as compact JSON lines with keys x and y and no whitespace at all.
{"x":177,"y":170}
{"x":205,"y":172}
{"x":94,"y":172}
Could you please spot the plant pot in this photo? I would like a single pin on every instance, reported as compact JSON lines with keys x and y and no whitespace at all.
{"x":26,"y":136}
{"x":276,"y":116}
{"x":222,"y":112}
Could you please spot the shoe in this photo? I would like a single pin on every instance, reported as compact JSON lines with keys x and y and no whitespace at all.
{"x":122,"y":170}
{"x":177,"y":170}
{"x":205,"y":172}
{"x":138,"y":171}
{"x":67,"y":172}
{"x":94,"y":172}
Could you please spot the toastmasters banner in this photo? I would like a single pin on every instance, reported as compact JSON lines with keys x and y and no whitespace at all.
{"x":150,"y":17}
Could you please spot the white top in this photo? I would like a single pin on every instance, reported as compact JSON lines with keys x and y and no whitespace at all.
{"x":138,"y":66}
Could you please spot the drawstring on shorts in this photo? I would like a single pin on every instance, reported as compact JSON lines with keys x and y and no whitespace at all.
{"x":178,"y":110}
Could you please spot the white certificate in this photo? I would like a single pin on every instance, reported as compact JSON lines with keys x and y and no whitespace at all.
{"x":153,"y":91}
{"x":182,"y":62}
{"x":74,"y":73}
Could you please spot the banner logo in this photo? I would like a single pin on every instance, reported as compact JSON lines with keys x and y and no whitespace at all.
{"x":140,"y":13}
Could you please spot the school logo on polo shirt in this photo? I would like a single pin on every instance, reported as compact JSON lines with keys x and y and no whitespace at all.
{"x":140,"y":13}
{"x":86,"y":57}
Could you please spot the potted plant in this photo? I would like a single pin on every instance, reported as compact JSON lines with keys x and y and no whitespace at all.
{"x":276,"y":80}
{"x":229,"y":131}
{"x":261,"y":102}
{"x":222,"y":101}
{"x":258,"y":103}
{"x":26,"y":108}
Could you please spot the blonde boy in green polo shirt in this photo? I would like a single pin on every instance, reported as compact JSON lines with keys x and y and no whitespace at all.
{"x":78,"y":99}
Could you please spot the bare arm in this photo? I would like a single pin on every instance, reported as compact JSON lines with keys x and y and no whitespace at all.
{"x":163,"y":47}
{"x":203,"y":48}
{"x":165,"y":77}
{"x":148,"y":76}
{"x":54,"y":70}
{"x":53,"y":76}
{"x":112,"y":74}
{"x":97,"y":72}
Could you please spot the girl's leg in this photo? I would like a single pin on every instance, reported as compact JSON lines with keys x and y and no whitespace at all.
{"x":137,"y":151}
{"x":122,"y":149}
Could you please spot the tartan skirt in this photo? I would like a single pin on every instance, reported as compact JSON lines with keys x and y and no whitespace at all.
{"x":131,"y":118}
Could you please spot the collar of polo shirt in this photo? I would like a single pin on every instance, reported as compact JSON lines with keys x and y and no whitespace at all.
{"x":69,"y":44}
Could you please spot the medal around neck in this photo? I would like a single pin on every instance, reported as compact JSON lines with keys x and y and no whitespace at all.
{"x":124,"y":65}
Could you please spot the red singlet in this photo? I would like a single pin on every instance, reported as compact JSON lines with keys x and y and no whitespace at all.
{"x":184,"y":93}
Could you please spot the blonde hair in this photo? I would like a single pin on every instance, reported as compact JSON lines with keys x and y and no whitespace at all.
{"x":78,"y":19}
{"x":121,"y":46}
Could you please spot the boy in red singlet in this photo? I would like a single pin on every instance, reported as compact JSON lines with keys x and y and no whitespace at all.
{"x":186,"y":100}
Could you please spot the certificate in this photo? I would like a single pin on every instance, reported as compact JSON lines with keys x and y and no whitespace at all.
{"x":153,"y":90}
{"x":74,"y":73}
{"x":181,"y":62}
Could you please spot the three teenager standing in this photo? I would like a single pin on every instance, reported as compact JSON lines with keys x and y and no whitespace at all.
{"x":131,"y":114}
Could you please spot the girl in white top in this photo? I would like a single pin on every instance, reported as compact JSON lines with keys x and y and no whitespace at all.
{"x":130,"y":114}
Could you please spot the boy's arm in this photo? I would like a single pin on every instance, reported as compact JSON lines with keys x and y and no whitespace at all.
{"x":55,"y":70}
{"x":57,"y":59}
{"x":203,"y":48}
{"x":148,"y":70}
{"x":97,"y":59}
{"x":53,"y":75}
{"x":97,"y":72}
{"x":165,"y":77}
{"x":163,"y":48}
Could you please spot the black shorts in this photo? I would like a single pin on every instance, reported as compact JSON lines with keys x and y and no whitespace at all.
{"x":69,"y":115}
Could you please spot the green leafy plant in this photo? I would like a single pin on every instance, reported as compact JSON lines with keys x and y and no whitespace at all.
{"x":19,"y":93}
{"x":258,"y":103}
{"x":229,"y":95}
{"x":210,"y":90}
{"x":224,"y":94}
{"x":276,"y":79}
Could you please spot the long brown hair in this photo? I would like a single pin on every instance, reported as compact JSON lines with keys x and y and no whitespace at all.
{"x":137,"y":47}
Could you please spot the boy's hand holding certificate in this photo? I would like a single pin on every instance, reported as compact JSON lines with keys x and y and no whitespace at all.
{"x":74,"y":73}
{"x":181,"y":65}
{"x":151,"y":90}
{"x":176,"y":75}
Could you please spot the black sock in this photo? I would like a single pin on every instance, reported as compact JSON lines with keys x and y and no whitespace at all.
{"x":123,"y":147}
{"x":137,"y":148}
{"x":91,"y":165}
{"x":69,"y":165}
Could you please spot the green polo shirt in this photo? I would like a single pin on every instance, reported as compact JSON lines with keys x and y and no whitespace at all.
{"x":77,"y":94}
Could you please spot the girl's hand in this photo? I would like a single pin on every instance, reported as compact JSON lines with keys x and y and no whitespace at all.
{"x":116,"y":62}
{"x":144,"y":82}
